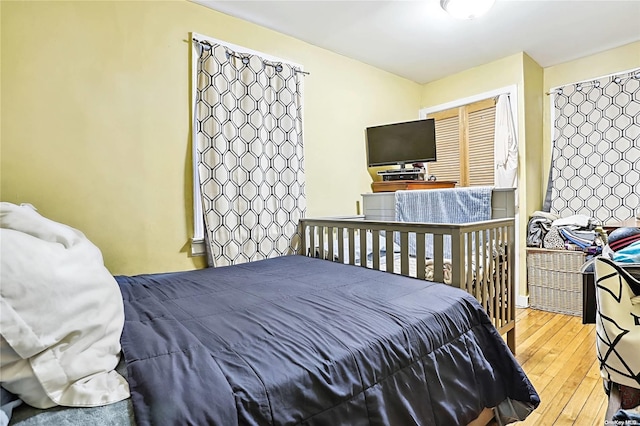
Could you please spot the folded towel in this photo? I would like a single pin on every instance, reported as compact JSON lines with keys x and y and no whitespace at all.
{"x":582,"y":239}
{"x":579,"y":220}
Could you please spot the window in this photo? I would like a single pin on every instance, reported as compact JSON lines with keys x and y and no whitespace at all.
{"x":464,"y":141}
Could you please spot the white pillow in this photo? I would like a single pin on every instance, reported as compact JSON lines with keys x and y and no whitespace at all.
{"x":61,"y":313}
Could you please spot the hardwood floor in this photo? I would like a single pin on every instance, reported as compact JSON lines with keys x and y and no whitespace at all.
{"x":559,"y":356}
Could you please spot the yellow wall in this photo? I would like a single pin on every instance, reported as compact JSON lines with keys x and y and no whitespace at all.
{"x":95,"y":120}
{"x":484,"y":78}
{"x":533,"y":118}
{"x":609,"y":62}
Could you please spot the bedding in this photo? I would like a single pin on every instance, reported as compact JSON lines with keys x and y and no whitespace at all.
{"x":446,"y":267}
{"x":298,"y":340}
{"x":382,"y":245}
{"x":291,"y":340}
{"x":117,"y":414}
{"x":397,"y":265}
{"x":61,"y":314}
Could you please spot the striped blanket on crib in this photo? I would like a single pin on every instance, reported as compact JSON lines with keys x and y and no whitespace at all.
{"x":456,"y":205}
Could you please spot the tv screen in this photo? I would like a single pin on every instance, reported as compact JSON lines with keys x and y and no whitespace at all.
{"x":401,"y":143}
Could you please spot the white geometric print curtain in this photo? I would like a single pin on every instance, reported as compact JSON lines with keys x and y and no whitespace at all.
{"x":248,"y":116}
{"x":595,"y":166}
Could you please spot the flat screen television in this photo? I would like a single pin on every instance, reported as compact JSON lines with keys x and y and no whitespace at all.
{"x":401,"y":143}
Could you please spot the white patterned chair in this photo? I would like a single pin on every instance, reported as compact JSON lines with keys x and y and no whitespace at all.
{"x":617,"y":324}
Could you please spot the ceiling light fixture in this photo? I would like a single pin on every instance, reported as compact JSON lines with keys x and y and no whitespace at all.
{"x":466,"y":9}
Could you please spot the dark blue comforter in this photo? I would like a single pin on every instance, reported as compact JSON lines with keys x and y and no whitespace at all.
{"x":297,"y":340}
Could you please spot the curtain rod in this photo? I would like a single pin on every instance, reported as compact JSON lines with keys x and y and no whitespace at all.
{"x":595,"y":83}
{"x":245,"y":60}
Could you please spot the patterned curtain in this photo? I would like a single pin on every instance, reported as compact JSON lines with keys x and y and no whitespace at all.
{"x":250,"y":154}
{"x":595,"y":167}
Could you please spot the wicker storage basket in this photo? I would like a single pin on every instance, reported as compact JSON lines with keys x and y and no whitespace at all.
{"x":555,"y":280}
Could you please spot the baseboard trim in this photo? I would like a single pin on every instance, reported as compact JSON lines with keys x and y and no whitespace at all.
{"x":522,"y":301}
{"x":198,"y":247}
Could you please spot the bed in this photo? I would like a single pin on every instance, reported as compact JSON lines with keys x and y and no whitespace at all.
{"x":302,"y":340}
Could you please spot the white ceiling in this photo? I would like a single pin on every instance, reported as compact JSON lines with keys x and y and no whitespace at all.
{"x":419,"y":41}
